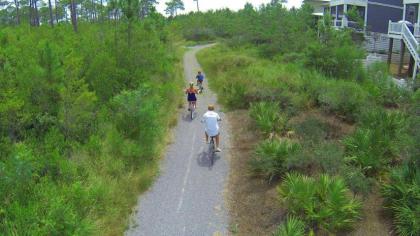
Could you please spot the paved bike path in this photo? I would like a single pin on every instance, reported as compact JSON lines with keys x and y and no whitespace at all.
{"x":188,"y":196}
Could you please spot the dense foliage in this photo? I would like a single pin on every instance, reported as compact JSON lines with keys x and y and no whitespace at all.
{"x":309,"y":90}
{"x":81,"y":116}
{"x":322,"y":203}
{"x":292,"y":227}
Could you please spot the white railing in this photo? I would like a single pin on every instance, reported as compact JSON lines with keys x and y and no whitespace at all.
{"x":412,"y":43}
{"x":417,"y":30}
{"x":394,"y":27}
{"x":349,"y":2}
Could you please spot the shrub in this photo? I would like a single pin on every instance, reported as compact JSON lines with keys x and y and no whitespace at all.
{"x":234,"y":94}
{"x":414,"y":124}
{"x":340,"y":62}
{"x":199,"y":34}
{"x":344,"y":98}
{"x":270,"y":156}
{"x":380,"y":86}
{"x":292,"y":227}
{"x":311,"y":130}
{"x":357,"y":181}
{"x":378,"y":140}
{"x":325,"y":156}
{"x":330,"y":157}
{"x":268,"y":117}
{"x":402,"y":197}
{"x":323,"y":202}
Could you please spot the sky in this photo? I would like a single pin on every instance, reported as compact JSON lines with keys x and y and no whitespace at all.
{"x":190,"y":5}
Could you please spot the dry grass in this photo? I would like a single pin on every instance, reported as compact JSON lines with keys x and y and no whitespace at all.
{"x":374,"y":221}
{"x":253,"y":203}
{"x":338,"y":127}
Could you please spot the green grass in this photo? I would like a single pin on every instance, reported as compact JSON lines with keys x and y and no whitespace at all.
{"x":276,"y":91}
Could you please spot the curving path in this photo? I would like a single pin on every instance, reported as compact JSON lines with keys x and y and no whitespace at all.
{"x":188,"y":196}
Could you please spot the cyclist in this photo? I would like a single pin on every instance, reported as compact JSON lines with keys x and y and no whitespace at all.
{"x":191,"y":96}
{"x":211,"y":119}
{"x":200,"y":79}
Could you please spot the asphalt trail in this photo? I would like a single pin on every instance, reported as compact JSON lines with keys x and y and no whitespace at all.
{"x":188,"y":196}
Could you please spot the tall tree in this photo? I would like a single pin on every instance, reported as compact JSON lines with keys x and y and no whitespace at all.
{"x":146,"y":6}
{"x":51,"y":13}
{"x":17,"y":12}
{"x":198,"y":7}
{"x":129,"y":8}
{"x":33,"y":13}
{"x":56,"y":11}
{"x":173,"y":6}
{"x":276,"y":2}
{"x":36,"y":12}
{"x":73,"y":14}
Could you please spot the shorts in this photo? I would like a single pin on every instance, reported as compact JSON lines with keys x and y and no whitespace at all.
{"x":212,"y":134}
{"x":191,"y":98}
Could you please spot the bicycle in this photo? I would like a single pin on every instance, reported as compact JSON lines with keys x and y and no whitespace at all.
{"x":200,"y":86}
{"x":191,"y":108}
{"x":212,"y":150}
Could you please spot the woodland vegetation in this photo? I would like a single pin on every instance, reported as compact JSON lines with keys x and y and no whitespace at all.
{"x":85,"y":88}
{"x":285,"y":68}
{"x":82,"y":115}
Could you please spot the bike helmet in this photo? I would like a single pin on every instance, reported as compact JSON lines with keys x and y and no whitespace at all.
{"x":191,"y":84}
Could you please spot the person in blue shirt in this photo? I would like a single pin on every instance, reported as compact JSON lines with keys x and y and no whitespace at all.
{"x":200,"y":79}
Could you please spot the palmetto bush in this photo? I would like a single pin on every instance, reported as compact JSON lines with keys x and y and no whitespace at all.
{"x":292,"y":227}
{"x":268,"y":117}
{"x":380,"y":139}
{"x":402,"y":197}
{"x":323,"y":203}
{"x":270,"y":156}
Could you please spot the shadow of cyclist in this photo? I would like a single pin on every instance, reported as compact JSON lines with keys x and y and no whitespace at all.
{"x":203,"y":159}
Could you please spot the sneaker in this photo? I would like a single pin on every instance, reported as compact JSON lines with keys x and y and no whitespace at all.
{"x":218,"y":150}
{"x":189,"y":109}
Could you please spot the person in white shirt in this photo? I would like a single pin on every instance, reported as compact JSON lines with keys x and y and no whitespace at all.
{"x":211,"y":120}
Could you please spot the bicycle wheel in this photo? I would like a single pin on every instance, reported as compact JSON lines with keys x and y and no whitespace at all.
{"x":211,"y":151}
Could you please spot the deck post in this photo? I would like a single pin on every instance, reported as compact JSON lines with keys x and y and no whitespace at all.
{"x":366,"y":13}
{"x":344,"y":20}
{"x":411,"y":65}
{"x":402,"y":52}
{"x":391,"y":46}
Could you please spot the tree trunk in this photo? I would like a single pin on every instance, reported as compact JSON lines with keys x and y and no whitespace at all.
{"x":73,"y":15}
{"x":65,"y":14}
{"x":94,"y":11}
{"x":30,"y":13}
{"x":36,"y":13}
{"x":56,"y":12}
{"x":101,"y":13}
{"x":51,"y":13}
{"x":17,"y":12}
